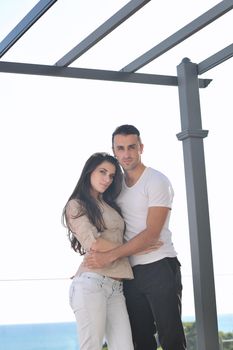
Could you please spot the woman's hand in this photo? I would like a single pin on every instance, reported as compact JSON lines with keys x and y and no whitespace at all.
{"x":151,"y":248}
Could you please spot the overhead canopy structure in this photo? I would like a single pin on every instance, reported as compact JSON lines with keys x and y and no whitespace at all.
{"x":192,"y":134}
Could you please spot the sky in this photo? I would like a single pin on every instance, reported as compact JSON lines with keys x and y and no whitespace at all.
{"x":50,"y":126}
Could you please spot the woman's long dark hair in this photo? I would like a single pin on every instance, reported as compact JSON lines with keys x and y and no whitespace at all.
{"x":89,"y":205}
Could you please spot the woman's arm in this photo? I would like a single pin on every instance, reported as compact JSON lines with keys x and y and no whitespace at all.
{"x":103,"y":245}
{"x":144,"y":240}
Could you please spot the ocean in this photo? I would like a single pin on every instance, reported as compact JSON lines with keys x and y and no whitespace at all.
{"x":62,"y":336}
{"x":45,"y":336}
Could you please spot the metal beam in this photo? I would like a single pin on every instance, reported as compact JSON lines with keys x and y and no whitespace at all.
{"x":192,"y":136}
{"x":182,"y":34}
{"x":37,"y":11}
{"x":107,"y":27}
{"x":95,"y":74}
{"x":215,"y":59}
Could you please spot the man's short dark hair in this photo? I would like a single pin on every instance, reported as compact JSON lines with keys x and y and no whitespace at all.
{"x":126,"y":129}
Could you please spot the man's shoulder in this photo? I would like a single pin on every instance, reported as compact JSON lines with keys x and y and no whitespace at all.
{"x":156,"y":178}
{"x":156,"y":173}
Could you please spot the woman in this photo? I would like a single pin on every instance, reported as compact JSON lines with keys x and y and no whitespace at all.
{"x":94,"y":222}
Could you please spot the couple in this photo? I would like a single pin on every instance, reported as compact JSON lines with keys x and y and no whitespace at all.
{"x":135,"y":255}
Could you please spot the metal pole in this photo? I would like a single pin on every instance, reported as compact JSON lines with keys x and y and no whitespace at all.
{"x":197,"y":200}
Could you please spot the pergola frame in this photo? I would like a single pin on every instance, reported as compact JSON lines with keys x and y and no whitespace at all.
{"x":191,"y":135}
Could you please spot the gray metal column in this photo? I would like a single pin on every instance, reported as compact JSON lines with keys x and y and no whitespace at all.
{"x":197,"y":200}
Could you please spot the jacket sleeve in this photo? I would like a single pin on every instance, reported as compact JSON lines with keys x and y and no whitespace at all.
{"x":83,"y":230}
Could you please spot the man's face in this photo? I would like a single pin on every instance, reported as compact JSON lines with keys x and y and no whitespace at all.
{"x":127,"y":149}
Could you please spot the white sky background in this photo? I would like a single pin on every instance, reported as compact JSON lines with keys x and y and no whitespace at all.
{"x":50,"y":126}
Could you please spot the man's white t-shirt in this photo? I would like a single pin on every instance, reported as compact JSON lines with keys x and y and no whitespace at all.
{"x":153,"y":189}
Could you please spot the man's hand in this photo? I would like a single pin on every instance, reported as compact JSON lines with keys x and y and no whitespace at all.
{"x":97,"y":260}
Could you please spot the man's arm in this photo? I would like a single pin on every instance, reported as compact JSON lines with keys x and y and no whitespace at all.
{"x":155,"y":220}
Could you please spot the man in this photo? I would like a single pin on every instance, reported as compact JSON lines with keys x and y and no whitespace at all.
{"x":153,"y":297}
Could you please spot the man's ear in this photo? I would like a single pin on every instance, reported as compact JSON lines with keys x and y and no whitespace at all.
{"x":141,"y":147}
{"x":113,"y":152}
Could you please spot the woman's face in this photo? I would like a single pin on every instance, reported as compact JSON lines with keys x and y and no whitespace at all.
{"x":102,"y":177}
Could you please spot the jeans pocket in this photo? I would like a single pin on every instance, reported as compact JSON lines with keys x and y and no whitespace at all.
{"x":90,"y":285}
{"x":76,"y":295}
{"x":175,"y":267}
{"x":117,"y":288}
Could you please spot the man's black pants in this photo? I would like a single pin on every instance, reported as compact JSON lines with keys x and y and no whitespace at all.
{"x":153,"y":301}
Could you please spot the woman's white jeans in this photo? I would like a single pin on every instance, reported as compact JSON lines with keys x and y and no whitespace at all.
{"x":100,"y":310}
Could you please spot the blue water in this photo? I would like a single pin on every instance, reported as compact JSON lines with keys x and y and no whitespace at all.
{"x":46,"y":336}
{"x":62,"y":336}
{"x":225,"y":322}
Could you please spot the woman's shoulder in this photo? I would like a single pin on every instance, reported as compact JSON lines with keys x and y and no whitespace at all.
{"x":73,"y":206}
